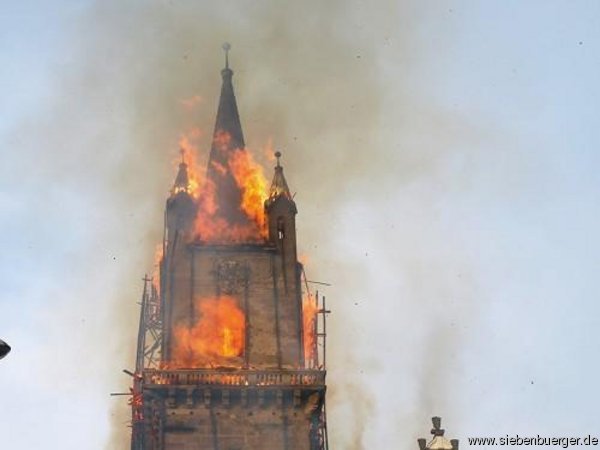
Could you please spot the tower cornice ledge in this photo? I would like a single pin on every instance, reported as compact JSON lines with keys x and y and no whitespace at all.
{"x":235,"y":377}
{"x":234,"y":248}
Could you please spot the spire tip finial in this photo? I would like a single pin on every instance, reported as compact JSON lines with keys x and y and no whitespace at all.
{"x":278,"y":156}
{"x":227,"y":47}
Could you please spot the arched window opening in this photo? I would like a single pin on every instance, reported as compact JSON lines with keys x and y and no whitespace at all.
{"x":280,"y":228}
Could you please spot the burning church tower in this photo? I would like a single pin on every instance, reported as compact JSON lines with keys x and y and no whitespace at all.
{"x":230,"y":351}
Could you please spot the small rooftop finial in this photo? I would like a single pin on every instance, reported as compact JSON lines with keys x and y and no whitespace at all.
{"x":227,"y":47}
{"x":182,"y":153}
{"x":437,"y":426}
{"x":439,"y":442}
{"x":278,"y":155}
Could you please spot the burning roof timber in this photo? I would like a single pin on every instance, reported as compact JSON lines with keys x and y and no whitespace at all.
{"x":230,"y":200}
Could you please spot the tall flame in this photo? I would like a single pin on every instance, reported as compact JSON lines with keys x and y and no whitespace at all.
{"x":250,"y":178}
{"x":158,"y":255}
{"x":210,"y":226}
{"x":309,"y":319}
{"x":216,"y":339}
{"x":187,"y":144}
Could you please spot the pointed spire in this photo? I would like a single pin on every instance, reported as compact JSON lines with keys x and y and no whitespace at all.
{"x":279,"y":186}
{"x":228,"y":128}
{"x":227,"y":139}
{"x":182,"y":181}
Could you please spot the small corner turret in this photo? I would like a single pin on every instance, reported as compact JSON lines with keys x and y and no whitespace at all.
{"x":281,"y":208}
{"x":181,"y":208}
{"x":279,"y":187}
{"x":182,"y":180}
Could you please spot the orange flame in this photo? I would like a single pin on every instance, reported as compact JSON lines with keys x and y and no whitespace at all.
{"x":210,"y":226}
{"x":249,"y":177}
{"x":269,"y":151}
{"x":309,"y":319}
{"x":158,"y":254}
{"x":303,"y":258}
{"x":217,"y":338}
{"x":191,"y":103}
{"x":188,"y":145}
{"x":251,"y":180}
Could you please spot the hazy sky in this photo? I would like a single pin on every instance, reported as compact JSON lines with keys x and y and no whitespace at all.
{"x":444,"y":155}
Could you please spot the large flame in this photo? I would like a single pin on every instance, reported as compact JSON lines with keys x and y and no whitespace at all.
{"x":251,"y":180}
{"x":216,"y":339}
{"x":210,"y":225}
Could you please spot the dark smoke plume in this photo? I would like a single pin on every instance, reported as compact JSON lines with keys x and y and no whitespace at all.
{"x":311,"y":80}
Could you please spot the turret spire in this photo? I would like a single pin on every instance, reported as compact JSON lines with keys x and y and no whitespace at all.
{"x":279,"y":186}
{"x":182,"y":180}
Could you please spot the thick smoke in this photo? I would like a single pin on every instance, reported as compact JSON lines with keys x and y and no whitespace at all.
{"x":306,"y":79}
{"x":443,"y":159}
{"x":312,"y":80}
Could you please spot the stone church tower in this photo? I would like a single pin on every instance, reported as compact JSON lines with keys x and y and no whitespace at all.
{"x":225,"y":324}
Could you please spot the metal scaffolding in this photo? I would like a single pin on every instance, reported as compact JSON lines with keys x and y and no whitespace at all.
{"x":145,"y":422}
{"x":149,"y":343}
{"x":319,"y":352}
